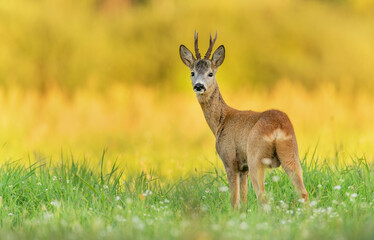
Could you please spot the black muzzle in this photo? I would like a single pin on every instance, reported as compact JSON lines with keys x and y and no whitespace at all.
{"x":199,"y":87}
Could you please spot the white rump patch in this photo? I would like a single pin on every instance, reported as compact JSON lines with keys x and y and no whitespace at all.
{"x":277,"y":134}
{"x":266,"y":161}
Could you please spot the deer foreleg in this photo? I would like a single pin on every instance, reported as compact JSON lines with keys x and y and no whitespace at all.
{"x":233,"y":179}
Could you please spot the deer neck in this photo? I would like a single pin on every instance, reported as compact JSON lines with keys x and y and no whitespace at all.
{"x":214,"y":107}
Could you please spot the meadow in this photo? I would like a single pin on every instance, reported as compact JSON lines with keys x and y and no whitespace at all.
{"x":101,"y":135}
{"x":72,"y":201}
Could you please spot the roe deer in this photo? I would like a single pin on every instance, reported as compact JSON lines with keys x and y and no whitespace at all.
{"x":246,"y":141}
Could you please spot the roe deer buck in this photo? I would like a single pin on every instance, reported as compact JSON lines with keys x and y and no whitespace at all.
{"x":246,"y":141}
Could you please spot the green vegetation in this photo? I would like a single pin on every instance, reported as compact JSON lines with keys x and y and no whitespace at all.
{"x":73,"y":201}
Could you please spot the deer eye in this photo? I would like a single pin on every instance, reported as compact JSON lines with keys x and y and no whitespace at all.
{"x":210,"y":74}
{"x":192,"y":74}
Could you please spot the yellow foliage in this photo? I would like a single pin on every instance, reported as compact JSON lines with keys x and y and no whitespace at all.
{"x":150,"y":129}
{"x":93,"y":44}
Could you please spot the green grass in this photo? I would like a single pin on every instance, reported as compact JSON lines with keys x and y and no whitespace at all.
{"x":74,"y":201}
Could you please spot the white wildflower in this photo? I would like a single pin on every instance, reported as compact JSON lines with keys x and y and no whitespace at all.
{"x":329,"y":210}
{"x":284,"y":205}
{"x":266,"y":208}
{"x":231,"y":223}
{"x":313,"y":203}
{"x":147,"y":192}
{"x":276,"y":178}
{"x":263,"y":225}
{"x":118,"y":198}
{"x":47,"y":215}
{"x":204,"y":208}
{"x":138,"y":223}
{"x":120,"y":219}
{"x":223,"y":189}
{"x":243,"y":225}
{"x":55,"y":203}
{"x":337,"y":187}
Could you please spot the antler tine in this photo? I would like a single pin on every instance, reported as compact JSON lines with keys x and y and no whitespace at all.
{"x":211,"y":44}
{"x":198,"y":56}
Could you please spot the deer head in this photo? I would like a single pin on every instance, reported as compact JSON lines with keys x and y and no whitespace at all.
{"x":203,"y":71}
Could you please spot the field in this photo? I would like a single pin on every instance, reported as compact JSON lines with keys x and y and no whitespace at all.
{"x":101,"y":135}
{"x":72,"y":201}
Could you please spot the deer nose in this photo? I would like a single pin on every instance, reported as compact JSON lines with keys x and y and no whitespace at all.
{"x":198,"y":87}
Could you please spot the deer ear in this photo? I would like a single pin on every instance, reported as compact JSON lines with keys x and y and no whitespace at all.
{"x":218,"y":56}
{"x":187,"y":57}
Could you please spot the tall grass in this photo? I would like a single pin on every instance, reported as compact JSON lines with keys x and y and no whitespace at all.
{"x":71,"y":200}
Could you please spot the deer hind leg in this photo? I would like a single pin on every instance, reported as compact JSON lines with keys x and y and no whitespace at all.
{"x":257,"y":173}
{"x":260,"y":155}
{"x":243,"y":187}
{"x":288,"y":156}
{"x":257,"y":151}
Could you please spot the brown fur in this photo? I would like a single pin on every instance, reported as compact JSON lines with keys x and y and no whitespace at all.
{"x":247,"y":141}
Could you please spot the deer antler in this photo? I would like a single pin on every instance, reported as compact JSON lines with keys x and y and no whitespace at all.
{"x":198,"y":56}
{"x":211,"y":44}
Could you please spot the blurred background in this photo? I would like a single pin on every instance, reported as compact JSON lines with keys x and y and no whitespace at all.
{"x":77,"y":77}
